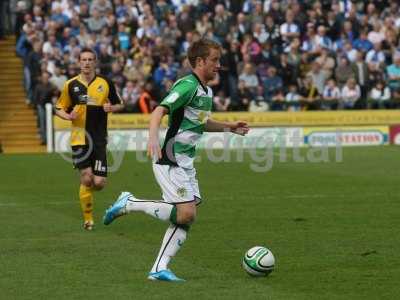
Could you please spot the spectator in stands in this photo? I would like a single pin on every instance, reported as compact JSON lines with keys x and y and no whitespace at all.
{"x":233,"y":57}
{"x":185,"y":68}
{"x":104,"y":59}
{"x":333,"y":25}
{"x":271,"y":84}
{"x":58,"y":79}
{"x":331,"y":95}
{"x":276,"y":12}
{"x":250,"y":46}
{"x":72,"y":70}
{"x":244,"y":97}
{"x":318,"y":77}
{"x":294,"y":56}
{"x":349,"y":51}
{"x":249,"y":77}
{"x":293,"y":98}
{"x":273,"y":33}
{"x":243,"y":25}
{"x":322,"y":40}
{"x":286,"y":71}
{"x":97,"y":21}
{"x":309,"y":93}
{"x":362,"y":43}
{"x":117,"y":75}
{"x":147,"y":100}
{"x":33,"y":61}
{"x":376,"y":36}
{"x":171,"y":33}
{"x":160,"y":75}
{"x":221,"y":22}
{"x":72,"y":45}
{"x":390,"y":44}
{"x":258,"y":105}
{"x":289,"y":30}
{"x":44,"y":93}
{"x":395,"y":101}
{"x":148,"y":29}
{"x":375,"y":59}
{"x":20,"y":13}
{"x":221,"y":101}
{"x":393,"y":72}
{"x":130,"y":95}
{"x":304,"y":66}
{"x":371,"y":13}
{"x":204,"y":24}
{"x":278,"y":101}
{"x":259,"y":33}
{"x":326,"y":62}
{"x":101,"y":6}
{"x":361,"y":72}
{"x":348,"y":31}
{"x":351,"y":93}
{"x":185,"y":21}
{"x":59,"y":17}
{"x":343,"y":71}
{"x":380,"y":96}
{"x":123,"y":36}
{"x":309,"y":44}
{"x":257,"y":13}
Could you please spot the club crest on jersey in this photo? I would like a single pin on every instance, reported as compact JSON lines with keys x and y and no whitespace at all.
{"x":85,"y":99}
{"x":100,"y":88}
{"x":171,"y":98}
{"x":76,"y":89}
{"x":181,"y":192}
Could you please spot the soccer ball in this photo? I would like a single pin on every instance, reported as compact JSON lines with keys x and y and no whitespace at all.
{"x":258,"y":261}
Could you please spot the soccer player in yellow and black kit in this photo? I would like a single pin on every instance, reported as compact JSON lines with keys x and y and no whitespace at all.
{"x":85,"y":101}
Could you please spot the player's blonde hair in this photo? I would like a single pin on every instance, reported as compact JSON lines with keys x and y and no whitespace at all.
{"x":201,"y":49}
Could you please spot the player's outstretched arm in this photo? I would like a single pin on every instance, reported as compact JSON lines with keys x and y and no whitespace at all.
{"x":239,"y":127}
{"x":108,"y":107}
{"x":153,"y":147}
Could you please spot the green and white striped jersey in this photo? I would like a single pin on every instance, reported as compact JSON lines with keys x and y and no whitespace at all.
{"x":189,"y":103}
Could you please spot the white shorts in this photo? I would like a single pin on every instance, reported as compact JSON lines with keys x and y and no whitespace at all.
{"x":178,"y":185}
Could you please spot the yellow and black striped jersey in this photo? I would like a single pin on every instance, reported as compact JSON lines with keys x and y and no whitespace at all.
{"x":87,"y":101}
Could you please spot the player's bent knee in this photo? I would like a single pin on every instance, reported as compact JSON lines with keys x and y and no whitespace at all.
{"x":99,"y":182}
{"x":87,"y":180}
{"x":86,"y":177}
{"x":186,"y":217}
{"x":186,"y":213}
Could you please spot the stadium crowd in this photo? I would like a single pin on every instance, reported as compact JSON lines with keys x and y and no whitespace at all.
{"x":277,"y":55}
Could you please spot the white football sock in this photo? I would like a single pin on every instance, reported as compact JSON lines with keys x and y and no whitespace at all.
{"x":157,"y":209}
{"x":174,"y":237}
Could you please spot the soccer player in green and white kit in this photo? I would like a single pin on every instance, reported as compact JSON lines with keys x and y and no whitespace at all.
{"x":188,"y":105}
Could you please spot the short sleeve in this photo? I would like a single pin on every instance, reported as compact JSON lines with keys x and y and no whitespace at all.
{"x":179,"y":96}
{"x":64,"y":101}
{"x":113,"y":94}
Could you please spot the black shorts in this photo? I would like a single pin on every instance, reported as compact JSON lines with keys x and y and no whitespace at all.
{"x":83,"y":157}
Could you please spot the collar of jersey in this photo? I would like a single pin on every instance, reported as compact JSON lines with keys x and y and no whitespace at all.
{"x":83,"y":82}
{"x":198,"y":79}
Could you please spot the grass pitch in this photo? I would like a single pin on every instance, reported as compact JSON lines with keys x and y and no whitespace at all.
{"x":333,"y":228}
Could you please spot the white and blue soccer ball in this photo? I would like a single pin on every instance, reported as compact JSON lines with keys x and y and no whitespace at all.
{"x":258,"y":261}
